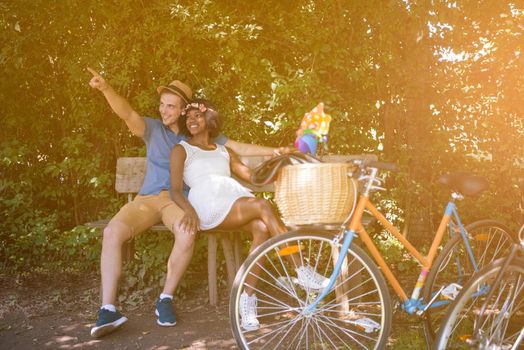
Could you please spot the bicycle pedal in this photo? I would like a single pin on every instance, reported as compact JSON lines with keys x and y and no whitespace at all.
{"x":396,"y":304}
{"x":451,"y":291}
{"x":367,"y":324}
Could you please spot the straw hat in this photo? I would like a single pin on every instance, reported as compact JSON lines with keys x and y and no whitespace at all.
{"x":178,"y":88}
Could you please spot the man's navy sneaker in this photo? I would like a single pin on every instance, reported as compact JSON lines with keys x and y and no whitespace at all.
{"x":108,"y":321}
{"x":165,"y":312}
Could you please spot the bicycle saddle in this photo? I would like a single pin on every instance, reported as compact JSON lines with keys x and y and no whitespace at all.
{"x":267,"y":172}
{"x":465,"y":183}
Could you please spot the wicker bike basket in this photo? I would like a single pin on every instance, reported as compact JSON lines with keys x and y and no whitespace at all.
{"x":320,"y":193}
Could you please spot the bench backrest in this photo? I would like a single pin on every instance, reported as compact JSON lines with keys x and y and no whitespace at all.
{"x":130,"y":171}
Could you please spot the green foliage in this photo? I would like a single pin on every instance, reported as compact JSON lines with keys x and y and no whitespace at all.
{"x":384,"y":69}
{"x":151,"y":253}
{"x":79,"y":248}
{"x":145,"y":273}
{"x":397,"y":257}
{"x":406,"y":335}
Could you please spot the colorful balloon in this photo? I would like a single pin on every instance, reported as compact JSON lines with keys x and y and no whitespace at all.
{"x":313,"y":129}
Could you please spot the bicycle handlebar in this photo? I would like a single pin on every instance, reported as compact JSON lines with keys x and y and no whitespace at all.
{"x":362,"y":163}
{"x":383,"y":165}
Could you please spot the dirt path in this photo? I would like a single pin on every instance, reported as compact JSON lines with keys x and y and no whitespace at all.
{"x":57,"y":312}
{"x":37,"y":316}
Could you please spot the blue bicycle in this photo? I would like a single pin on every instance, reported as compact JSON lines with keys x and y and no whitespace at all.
{"x":489,"y":311}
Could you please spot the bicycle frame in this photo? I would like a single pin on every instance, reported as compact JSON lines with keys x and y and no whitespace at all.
{"x":410,"y":304}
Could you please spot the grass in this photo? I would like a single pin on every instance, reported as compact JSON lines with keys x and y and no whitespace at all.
{"x":406,"y":335}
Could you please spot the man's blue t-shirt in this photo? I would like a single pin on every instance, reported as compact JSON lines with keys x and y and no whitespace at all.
{"x":160,"y":140}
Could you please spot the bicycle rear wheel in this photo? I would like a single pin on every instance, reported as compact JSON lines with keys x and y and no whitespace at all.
{"x":356,"y":314}
{"x":488,"y":240}
{"x":502,"y":322}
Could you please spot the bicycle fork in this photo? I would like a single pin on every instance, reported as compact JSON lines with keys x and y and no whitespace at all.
{"x":348,"y":238}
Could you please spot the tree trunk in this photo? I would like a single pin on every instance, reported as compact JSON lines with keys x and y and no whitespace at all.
{"x":418,"y":131}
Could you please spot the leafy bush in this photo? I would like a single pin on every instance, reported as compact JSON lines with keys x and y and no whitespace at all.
{"x":432,"y":87}
{"x":145,"y":273}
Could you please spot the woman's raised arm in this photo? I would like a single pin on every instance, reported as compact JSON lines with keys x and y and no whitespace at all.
{"x":237,"y":167}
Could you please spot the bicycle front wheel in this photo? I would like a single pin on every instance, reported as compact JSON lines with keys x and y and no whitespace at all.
{"x":488,"y":240}
{"x":501,"y":325}
{"x":356,"y":314}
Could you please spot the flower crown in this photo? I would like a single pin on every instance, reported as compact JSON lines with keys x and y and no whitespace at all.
{"x":194,"y":105}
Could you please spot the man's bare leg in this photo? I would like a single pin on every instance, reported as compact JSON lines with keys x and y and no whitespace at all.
{"x":177,"y":264}
{"x":179,"y":260}
{"x":115,"y":235}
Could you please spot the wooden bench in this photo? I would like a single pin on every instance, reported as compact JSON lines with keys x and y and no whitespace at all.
{"x":130,"y":172}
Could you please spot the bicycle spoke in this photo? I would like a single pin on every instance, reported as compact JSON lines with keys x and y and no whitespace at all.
{"x":285,"y":324}
{"x":293,"y":292}
{"x":275,"y":285}
{"x":346,"y":331}
{"x":297,"y":335}
{"x":269,"y":296}
{"x":501,"y":319}
{"x":482,"y":259}
{"x":321,"y":330}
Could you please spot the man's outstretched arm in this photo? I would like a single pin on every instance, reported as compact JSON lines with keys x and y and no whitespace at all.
{"x":119,"y":105}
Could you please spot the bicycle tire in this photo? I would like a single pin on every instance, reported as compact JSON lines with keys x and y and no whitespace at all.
{"x":503,"y":319}
{"x":335,"y":323}
{"x":453,"y":265}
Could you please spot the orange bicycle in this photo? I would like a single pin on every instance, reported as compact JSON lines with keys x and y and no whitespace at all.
{"x":315,"y":289}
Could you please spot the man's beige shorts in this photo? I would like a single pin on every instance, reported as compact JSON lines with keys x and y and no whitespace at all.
{"x":146,"y":211}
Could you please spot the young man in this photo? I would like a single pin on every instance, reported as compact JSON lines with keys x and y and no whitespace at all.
{"x":153,"y":202}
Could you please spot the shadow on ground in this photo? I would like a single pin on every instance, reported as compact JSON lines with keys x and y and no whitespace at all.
{"x":36,"y":315}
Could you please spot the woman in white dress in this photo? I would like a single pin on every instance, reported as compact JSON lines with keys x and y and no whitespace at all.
{"x":215,"y":199}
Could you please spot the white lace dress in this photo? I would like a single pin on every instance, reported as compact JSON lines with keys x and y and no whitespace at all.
{"x":212,"y":189}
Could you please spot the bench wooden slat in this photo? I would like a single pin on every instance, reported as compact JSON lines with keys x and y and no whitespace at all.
{"x":130,"y":172}
{"x":103,"y":223}
{"x":158,"y":227}
{"x":98,"y":224}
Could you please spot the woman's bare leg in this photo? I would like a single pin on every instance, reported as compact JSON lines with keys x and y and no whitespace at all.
{"x":260,"y":234}
{"x":257,"y":216}
{"x":245,"y":210}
